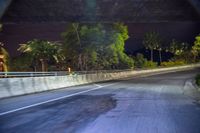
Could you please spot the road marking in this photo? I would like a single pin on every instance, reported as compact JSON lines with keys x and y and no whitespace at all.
{"x":55,"y":99}
{"x":97,"y":85}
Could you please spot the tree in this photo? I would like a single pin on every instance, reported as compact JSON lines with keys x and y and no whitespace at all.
{"x":42,"y":51}
{"x":196,"y":48}
{"x":92,"y":40}
{"x":5,"y":57}
{"x":97,"y":46}
{"x":119,"y":36}
{"x":178,"y":48}
{"x":151,"y":41}
{"x":181,"y":51}
{"x":82,"y":43}
{"x":160,"y":47}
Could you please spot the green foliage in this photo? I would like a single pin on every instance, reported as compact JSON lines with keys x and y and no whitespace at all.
{"x":21,"y":63}
{"x":197,"y":42}
{"x":42,"y":51}
{"x":182,"y":52}
{"x":5,"y":57}
{"x":150,"y":64}
{"x":151,"y":40}
{"x":197,"y":78}
{"x":173,"y":63}
{"x":185,"y":57}
{"x":140,"y":61}
{"x":178,"y":48}
{"x":96,"y":46}
{"x":196,"y":48}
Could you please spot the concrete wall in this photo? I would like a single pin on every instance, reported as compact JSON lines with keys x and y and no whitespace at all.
{"x":19,"y":86}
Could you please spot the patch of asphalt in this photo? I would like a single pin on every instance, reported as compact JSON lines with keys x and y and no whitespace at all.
{"x":67,"y":115}
{"x":192,"y":90}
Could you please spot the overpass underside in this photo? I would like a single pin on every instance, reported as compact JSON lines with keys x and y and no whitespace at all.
{"x":129,"y":11}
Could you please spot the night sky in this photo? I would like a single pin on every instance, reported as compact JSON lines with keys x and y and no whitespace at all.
{"x":26,"y":20}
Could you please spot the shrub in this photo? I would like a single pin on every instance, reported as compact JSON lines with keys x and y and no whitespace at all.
{"x":173,"y":63}
{"x":21,"y":63}
{"x":126,"y":62}
{"x":150,"y":64}
{"x":198,"y":79}
{"x":140,"y":61}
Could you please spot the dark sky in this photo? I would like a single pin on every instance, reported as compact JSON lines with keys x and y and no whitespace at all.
{"x":25,"y":20}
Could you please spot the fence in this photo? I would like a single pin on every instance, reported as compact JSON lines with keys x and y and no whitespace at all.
{"x":57,"y":73}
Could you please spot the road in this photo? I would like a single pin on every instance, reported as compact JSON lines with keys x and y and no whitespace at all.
{"x":147,"y":104}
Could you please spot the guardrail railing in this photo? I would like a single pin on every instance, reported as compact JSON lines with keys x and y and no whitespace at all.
{"x":54,"y":73}
{"x":64,"y":73}
{"x":26,"y":74}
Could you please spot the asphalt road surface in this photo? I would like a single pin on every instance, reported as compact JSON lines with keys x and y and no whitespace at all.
{"x":149,"y":104}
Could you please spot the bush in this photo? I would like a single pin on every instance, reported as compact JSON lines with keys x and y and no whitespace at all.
{"x":150,"y":64}
{"x":21,"y":63}
{"x":140,"y":61}
{"x":173,"y":63}
{"x":198,"y":79}
{"x":126,"y":63}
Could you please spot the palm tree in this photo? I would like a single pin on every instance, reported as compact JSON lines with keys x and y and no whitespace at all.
{"x":42,"y":51}
{"x":160,"y":47}
{"x":151,"y":41}
{"x":4,"y":57}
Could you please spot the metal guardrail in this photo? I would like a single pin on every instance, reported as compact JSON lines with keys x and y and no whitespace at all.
{"x":56,"y":73}
{"x":64,"y":73}
{"x":26,"y":74}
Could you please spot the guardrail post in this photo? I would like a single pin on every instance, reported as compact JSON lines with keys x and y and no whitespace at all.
{"x":31,"y":74}
{"x":55,"y":74}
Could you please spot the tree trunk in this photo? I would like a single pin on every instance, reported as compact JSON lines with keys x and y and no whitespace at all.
{"x":160,"y":56}
{"x":86,"y":62}
{"x":35,"y":69}
{"x":152,"y":55}
{"x":80,"y":63}
{"x":80,"y":60}
{"x":43,"y":65}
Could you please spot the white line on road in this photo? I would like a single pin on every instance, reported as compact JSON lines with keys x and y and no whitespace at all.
{"x":97,"y":85}
{"x":55,"y":99}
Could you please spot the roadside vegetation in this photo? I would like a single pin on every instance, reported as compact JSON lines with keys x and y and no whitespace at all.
{"x":4,"y":58}
{"x":88,"y":47}
{"x":198,"y":80}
